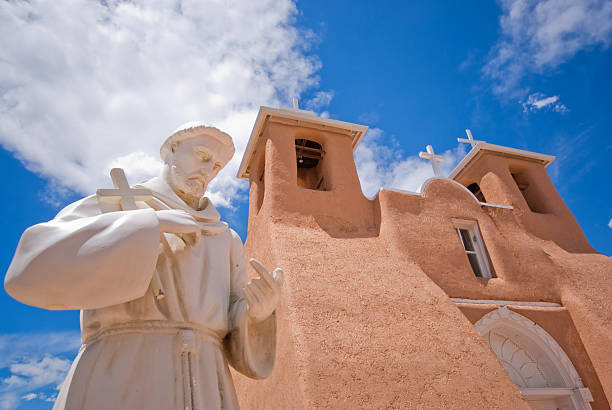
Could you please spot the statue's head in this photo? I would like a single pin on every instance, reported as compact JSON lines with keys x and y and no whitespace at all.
{"x":194,"y":154}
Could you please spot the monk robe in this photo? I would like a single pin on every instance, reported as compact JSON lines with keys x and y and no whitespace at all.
{"x":140,"y":352}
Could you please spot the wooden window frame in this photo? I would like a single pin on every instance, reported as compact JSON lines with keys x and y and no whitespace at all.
{"x":480,"y":252}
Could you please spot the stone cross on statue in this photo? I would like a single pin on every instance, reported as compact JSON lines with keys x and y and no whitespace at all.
{"x":127,"y":197}
{"x":433,"y":158}
{"x":470,"y":140}
{"x":122,"y":193}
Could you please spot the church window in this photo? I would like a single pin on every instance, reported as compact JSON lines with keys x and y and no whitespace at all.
{"x":309,"y":158}
{"x":475,"y":189}
{"x":472,"y":242}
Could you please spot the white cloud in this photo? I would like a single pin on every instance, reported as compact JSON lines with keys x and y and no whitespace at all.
{"x":370,"y":117}
{"x":320,"y":100}
{"x":29,"y":396}
{"x":139,"y":164}
{"x":19,"y":346}
{"x":380,"y":165}
{"x":538,"y":101}
{"x":36,"y":364}
{"x":610,"y":223}
{"x":33,"y":374}
{"x":541,"y":35}
{"x":78,"y":95}
{"x":39,"y":396}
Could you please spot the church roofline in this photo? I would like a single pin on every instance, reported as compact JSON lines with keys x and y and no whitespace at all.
{"x":301,"y":118}
{"x":483,"y":148}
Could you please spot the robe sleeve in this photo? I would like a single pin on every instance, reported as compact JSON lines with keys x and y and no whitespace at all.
{"x":250,"y":346}
{"x":83,"y":259}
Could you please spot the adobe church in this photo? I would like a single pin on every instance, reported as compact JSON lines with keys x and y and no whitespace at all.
{"x":481,"y":291}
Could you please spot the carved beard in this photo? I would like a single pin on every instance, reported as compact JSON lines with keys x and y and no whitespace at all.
{"x":189,"y":189}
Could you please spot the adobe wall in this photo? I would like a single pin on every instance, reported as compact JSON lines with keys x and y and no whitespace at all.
{"x":527,"y":267}
{"x":368,"y":332}
{"x":366,"y":319}
{"x":361,"y":326}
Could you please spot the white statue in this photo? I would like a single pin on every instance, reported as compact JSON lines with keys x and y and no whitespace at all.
{"x":162,"y":287}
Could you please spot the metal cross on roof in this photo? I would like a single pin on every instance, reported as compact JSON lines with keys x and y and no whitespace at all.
{"x":296,"y":103}
{"x":433,"y":158}
{"x":470,"y":140}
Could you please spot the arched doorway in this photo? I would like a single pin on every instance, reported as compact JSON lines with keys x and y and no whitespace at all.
{"x":534,"y":361}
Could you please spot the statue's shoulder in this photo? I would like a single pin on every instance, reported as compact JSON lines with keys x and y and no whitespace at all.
{"x":234,"y":234}
{"x":82,"y":208}
{"x":234,"y":237}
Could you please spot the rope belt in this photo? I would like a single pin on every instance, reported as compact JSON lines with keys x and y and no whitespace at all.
{"x":187,"y":331}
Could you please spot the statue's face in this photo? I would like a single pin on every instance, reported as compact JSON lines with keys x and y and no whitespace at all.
{"x":193,"y":164}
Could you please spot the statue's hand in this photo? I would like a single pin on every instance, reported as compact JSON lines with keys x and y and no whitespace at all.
{"x":263,"y":293}
{"x":180,"y":223}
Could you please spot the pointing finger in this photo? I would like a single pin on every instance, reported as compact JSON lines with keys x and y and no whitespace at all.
{"x":263,"y":272}
{"x":259,"y":267}
{"x":278,"y":276}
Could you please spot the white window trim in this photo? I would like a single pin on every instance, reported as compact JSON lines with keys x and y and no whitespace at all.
{"x":479,"y":249}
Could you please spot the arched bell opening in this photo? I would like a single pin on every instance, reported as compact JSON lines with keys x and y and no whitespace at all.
{"x":309,"y":157}
{"x":475,"y":189}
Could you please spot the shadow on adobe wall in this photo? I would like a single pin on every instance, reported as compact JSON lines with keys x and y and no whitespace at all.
{"x":343,"y":228}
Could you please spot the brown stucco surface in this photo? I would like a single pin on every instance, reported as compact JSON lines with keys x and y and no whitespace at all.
{"x":371,"y":334}
{"x":366,"y":319}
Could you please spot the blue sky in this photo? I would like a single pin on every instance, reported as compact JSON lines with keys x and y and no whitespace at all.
{"x":80,"y":95}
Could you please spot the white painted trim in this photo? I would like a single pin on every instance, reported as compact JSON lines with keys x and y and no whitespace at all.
{"x":421,"y":190}
{"x":580,"y":395}
{"x":549,"y":392}
{"x":304,"y":118}
{"x":545,"y":392}
{"x":512,"y":152}
{"x":496,"y":205}
{"x":505,"y":302}
{"x":585,"y":393}
{"x":401,"y":191}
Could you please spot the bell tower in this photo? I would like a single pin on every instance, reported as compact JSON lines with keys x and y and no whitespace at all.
{"x":510,"y":176}
{"x":298,"y":163}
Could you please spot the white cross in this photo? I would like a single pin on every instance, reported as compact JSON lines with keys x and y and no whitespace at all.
{"x":296,"y":103}
{"x":122,"y":193}
{"x":470,"y":140}
{"x":433,"y":158}
{"x":127,"y":197}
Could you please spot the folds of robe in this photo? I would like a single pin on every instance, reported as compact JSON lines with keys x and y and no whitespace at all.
{"x":87,"y":262}
{"x":117,"y":367}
